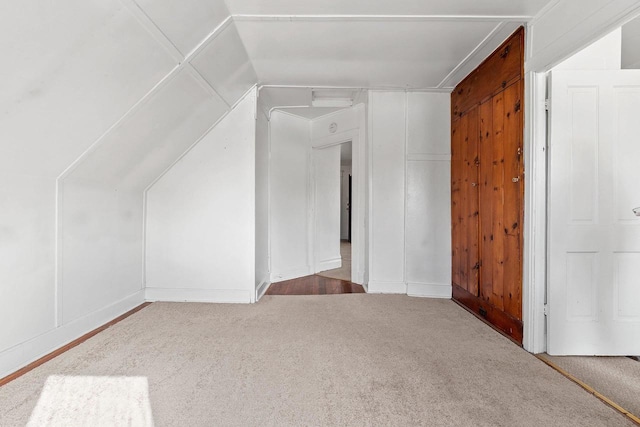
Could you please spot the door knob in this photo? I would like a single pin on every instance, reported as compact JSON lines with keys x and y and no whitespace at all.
{"x":636,"y":211}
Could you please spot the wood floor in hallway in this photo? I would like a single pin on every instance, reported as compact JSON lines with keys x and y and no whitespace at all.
{"x":314,"y":285}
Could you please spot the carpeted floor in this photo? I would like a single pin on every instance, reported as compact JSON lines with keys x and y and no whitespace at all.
{"x":347,"y":360}
{"x":617,"y":378}
{"x":344,"y":272}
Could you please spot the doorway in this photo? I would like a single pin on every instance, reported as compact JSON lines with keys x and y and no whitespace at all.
{"x":343,"y":272}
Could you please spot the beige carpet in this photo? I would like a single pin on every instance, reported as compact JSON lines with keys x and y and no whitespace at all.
{"x":346,"y":360}
{"x":617,"y":378}
{"x":344,"y":272}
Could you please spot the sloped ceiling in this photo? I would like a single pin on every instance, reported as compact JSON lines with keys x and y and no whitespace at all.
{"x":406,"y":44}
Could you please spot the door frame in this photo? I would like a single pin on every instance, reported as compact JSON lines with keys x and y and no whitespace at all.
{"x":357,"y":172}
{"x":534,"y":269}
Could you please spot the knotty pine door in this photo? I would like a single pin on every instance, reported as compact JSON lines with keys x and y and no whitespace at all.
{"x":487,"y":209}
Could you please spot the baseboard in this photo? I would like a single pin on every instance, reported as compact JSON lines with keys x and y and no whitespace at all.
{"x":197,"y":295}
{"x":329,"y":264}
{"x":381,"y":287}
{"x":292,"y":273}
{"x":19,"y":356}
{"x":262,"y":288}
{"x":429,"y":290}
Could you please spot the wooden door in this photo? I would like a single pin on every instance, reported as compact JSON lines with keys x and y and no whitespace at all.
{"x":464,"y":201}
{"x":488,"y":189}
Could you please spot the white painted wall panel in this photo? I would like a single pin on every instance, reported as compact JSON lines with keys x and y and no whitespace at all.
{"x":429,"y":227}
{"x":428,"y":123}
{"x":326,"y":174}
{"x":186,"y":23}
{"x":428,"y":199}
{"x":81,"y":66}
{"x":604,"y":54}
{"x":631,"y":45}
{"x":387,"y":146}
{"x":262,"y":200}
{"x":224,"y":63}
{"x":151,"y":139}
{"x":27,"y":246}
{"x":289,"y":187}
{"x":200,"y":241}
{"x":101,"y":247}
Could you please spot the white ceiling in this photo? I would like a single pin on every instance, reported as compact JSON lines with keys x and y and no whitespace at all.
{"x":404,"y":44}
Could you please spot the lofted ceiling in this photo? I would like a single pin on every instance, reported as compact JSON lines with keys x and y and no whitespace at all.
{"x":406,"y":44}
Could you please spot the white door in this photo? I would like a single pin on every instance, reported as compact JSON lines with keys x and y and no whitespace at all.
{"x":594,"y":236}
{"x":326,"y":236}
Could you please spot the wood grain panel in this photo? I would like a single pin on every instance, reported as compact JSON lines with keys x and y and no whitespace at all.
{"x":314,"y":285}
{"x":503,"y":67}
{"x":487,"y":135}
{"x":513,"y":199}
{"x":497,"y":318}
{"x":465,"y":202}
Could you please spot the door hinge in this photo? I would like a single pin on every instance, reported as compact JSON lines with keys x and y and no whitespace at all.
{"x":546,"y":104}
{"x":545,"y":310}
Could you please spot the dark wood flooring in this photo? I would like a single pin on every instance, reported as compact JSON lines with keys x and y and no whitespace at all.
{"x":314,"y":285}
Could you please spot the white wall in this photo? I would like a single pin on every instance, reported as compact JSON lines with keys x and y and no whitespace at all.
{"x":631,"y":45}
{"x":200,"y":235}
{"x":428,"y":200}
{"x":262,"y":279}
{"x":289,"y":196}
{"x":410,"y":229}
{"x":604,"y":54}
{"x":326,"y":208}
{"x":99,"y":103}
{"x":387,"y":141}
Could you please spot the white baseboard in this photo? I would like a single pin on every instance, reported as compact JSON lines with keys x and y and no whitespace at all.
{"x":21,"y":355}
{"x":429,"y":290}
{"x":329,"y":264}
{"x":292,"y":273}
{"x":381,"y":287}
{"x":262,"y":288}
{"x":198,"y":295}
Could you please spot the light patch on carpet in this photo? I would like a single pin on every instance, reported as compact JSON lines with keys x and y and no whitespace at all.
{"x":93,"y":401}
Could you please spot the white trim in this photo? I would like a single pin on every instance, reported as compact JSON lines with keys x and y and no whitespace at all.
{"x":27,"y":352}
{"x":328,"y":264}
{"x":362,"y":88}
{"x":204,"y":134}
{"x":378,"y":18}
{"x":471,"y":54}
{"x":429,"y":290}
{"x":291,"y":273}
{"x":534,"y":281}
{"x":261,"y":289}
{"x":384,"y":287}
{"x":428,"y":157}
{"x":232,"y":296}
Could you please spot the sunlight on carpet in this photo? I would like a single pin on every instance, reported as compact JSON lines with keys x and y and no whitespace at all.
{"x":93,"y":401}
